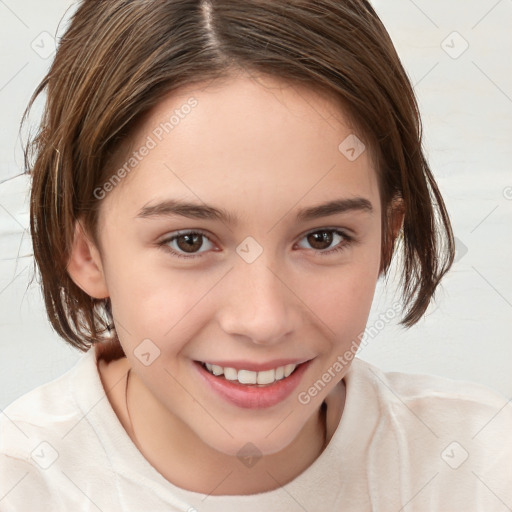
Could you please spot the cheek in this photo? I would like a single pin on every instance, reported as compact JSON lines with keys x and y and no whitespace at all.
{"x":343,"y":297}
{"x":346,"y":301}
{"x":150,"y":300}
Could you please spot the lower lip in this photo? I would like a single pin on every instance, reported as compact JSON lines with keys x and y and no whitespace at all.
{"x":253,"y":396}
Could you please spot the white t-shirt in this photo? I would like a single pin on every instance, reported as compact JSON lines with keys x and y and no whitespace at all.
{"x":404,"y":443}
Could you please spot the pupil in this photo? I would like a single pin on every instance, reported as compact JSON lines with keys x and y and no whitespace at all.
{"x":189,"y":246}
{"x":319,"y":238}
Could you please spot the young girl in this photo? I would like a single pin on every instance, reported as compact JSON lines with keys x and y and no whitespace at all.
{"x":217,"y":187}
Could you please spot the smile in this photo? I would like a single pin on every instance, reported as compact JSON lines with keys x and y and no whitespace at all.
{"x":264,"y":377}
{"x":257,"y":388}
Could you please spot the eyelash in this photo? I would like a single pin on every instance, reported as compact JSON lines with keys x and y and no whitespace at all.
{"x":164,"y":244}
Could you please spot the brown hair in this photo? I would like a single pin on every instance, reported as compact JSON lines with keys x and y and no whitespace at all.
{"x":118,"y":58}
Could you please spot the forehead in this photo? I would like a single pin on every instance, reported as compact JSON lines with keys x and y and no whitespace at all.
{"x":247,"y":138}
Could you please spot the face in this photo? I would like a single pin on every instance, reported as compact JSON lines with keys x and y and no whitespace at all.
{"x":214,"y":250}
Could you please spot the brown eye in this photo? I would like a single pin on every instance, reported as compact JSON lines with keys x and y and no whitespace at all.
{"x":322,"y":239}
{"x":186,"y":242}
{"x":189,"y":243}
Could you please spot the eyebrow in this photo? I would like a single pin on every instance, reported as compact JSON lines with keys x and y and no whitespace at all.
{"x":173,"y":207}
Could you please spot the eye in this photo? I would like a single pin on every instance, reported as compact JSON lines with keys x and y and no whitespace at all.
{"x":323,"y":238}
{"x":187,"y":241}
{"x":185,"y":244}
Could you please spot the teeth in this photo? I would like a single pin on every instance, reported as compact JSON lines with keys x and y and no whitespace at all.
{"x":288,"y":369}
{"x":216,"y":370}
{"x":266,"y":377}
{"x":249,"y":377}
{"x":230,"y":374}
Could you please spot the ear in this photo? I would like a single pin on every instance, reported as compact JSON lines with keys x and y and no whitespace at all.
{"x":84,"y":265}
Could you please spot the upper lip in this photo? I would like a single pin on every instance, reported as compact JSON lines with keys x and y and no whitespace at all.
{"x":255,"y":367}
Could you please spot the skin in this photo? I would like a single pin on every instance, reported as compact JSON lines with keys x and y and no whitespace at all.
{"x":261,"y":149}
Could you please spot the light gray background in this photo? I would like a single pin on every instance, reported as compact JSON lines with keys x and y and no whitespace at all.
{"x":466,"y":102}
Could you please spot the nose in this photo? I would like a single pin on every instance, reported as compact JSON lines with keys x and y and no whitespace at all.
{"x":258,"y":304}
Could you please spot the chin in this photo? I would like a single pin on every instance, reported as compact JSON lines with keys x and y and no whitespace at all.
{"x":255,"y":444}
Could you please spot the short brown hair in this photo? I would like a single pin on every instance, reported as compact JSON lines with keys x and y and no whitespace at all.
{"x":118,"y":58}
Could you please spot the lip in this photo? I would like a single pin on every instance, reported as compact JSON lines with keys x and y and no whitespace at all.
{"x":255,"y":367}
{"x":253,"y":396}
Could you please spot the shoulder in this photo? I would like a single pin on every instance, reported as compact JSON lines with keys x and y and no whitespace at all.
{"x":29,"y":430}
{"x":47,"y":408}
{"x":433,"y":393}
{"x":450,"y":439}
{"x":59,"y":443}
{"x":438,"y":412}
{"x":34,"y":425}
{"x":48,"y":441}
{"x":456,"y":435}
